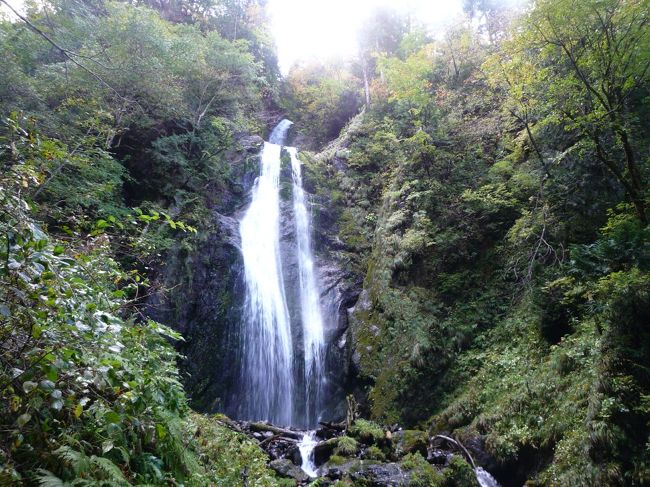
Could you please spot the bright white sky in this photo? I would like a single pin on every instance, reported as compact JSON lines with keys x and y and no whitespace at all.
{"x":321,"y":29}
{"x":307,"y":29}
{"x":17,"y":4}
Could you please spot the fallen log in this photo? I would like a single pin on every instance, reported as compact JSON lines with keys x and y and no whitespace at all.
{"x":459,"y":445}
{"x":332,"y":426}
{"x":276,"y":430}
{"x":270,"y":439}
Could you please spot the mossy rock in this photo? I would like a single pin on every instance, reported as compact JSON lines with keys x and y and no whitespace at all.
{"x":367,"y":432}
{"x":371,"y":474}
{"x":286,"y":468}
{"x":422,"y":474}
{"x":337,"y":460}
{"x":286,"y":191}
{"x":410,"y":441}
{"x":374,"y":453}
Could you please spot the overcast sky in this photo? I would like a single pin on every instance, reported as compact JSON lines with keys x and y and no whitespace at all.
{"x":306,"y":29}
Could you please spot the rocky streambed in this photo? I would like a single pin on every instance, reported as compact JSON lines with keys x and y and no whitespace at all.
{"x":364,"y":453}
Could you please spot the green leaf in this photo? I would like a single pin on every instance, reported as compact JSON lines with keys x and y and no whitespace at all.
{"x":78,"y":410}
{"x":23,"y":419}
{"x":161,"y":431}
{"x":113,"y":417}
{"x":107,"y":446}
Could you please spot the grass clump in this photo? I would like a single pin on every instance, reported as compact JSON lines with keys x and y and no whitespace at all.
{"x":346,"y":447}
{"x":422,"y":473}
{"x":374,"y":453}
{"x":337,"y":460}
{"x":367,"y":431}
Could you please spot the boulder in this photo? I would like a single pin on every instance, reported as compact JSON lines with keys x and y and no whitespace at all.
{"x":251,"y":143}
{"x":286,"y":468}
{"x":410,"y":441}
{"x":381,"y":474}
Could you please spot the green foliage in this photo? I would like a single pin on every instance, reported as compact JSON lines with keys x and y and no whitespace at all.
{"x":495,"y":187}
{"x":594,"y":58}
{"x":231,"y":458}
{"x":337,"y":460}
{"x":90,"y":391}
{"x":409,"y":81}
{"x":367,"y":431}
{"x":78,"y":375}
{"x":346,"y":447}
{"x":374,"y":453}
{"x":422,"y":473}
{"x":558,"y":300}
{"x":459,"y":473}
{"x":321,"y":99}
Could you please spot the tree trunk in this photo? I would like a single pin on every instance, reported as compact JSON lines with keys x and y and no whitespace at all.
{"x":366,"y":86}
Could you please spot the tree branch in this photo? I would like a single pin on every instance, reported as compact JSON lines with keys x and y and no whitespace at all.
{"x":68,"y":54}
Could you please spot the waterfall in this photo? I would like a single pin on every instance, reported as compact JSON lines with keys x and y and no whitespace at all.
{"x":306,"y":448}
{"x":485,"y":479}
{"x":267,"y":378}
{"x":310,"y":306}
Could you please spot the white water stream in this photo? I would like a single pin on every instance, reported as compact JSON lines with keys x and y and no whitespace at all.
{"x":485,"y":479}
{"x":306,"y":447}
{"x":266,"y":343}
{"x":310,"y":307}
{"x":267,"y":346}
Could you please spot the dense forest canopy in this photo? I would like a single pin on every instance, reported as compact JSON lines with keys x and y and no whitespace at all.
{"x":484,"y":187}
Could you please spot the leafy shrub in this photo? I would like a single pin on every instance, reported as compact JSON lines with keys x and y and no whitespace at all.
{"x":459,"y":473}
{"x":85,"y":389}
{"x":422,"y":473}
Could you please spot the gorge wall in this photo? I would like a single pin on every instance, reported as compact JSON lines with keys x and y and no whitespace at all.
{"x":209,"y":303}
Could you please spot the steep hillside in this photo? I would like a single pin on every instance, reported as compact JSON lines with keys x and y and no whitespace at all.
{"x":503,"y":246}
{"x":123,"y":127}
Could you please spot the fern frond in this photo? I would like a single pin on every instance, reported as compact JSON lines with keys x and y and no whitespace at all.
{"x":68,"y":454}
{"x":45,"y":478}
{"x":110,"y":470}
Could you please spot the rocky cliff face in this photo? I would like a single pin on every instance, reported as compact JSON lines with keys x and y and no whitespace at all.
{"x":204,"y":291}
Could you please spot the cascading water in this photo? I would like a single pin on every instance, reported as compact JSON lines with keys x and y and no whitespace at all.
{"x":485,"y":479}
{"x":306,"y":447}
{"x":310,"y":307}
{"x":267,"y":389}
{"x":266,"y":379}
